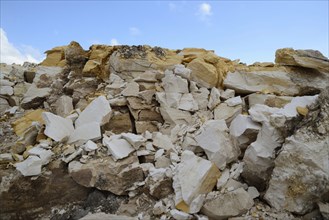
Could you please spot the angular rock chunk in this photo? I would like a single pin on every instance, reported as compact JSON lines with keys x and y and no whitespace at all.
{"x":34,"y":97}
{"x":30,"y":167}
{"x":213,"y":137}
{"x":64,"y":106}
{"x":188,"y":103}
{"x":304,"y":58}
{"x":223,"y":111}
{"x":193,"y":176}
{"x":85,"y":132}
{"x":231,"y":204}
{"x":117,"y":147}
{"x":172,"y":83}
{"x":108,"y":175}
{"x":99,"y":111}
{"x":57,"y":128}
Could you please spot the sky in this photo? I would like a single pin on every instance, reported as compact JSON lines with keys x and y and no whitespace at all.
{"x":247,"y":30}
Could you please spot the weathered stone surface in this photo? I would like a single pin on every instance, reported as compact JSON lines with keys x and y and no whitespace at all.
{"x":188,"y":103}
{"x":143,"y":126}
{"x":223,"y":111}
{"x":108,"y":175}
{"x":174,"y":84}
{"x":214,"y":138}
{"x":85,"y":132}
{"x":175,"y":116}
{"x":324,"y":209}
{"x":34,"y":97}
{"x":98,"y":111}
{"x":295,"y":186}
{"x":304,"y":58}
{"x":135,"y":140}
{"x":182,"y":71}
{"x":162,"y":141}
{"x":55,"y":57}
{"x":189,"y":184}
{"x":43,"y":154}
{"x":120,"y":122}
{"x":245,"y":130}
{"x":64,"y":106}
{"x":203,"y":73}
{"x":117,"y":147}
{"x":30,"y":167}
{"x":269,"y":100}
{"x":132,"y":89}
{"x":230,"y":204}
{"x":4,"y":105}
{"x":22,"y":124}
{"x":270,"y":80}
{"x":129,"y":62}
{"x":57,"y":128}
{"x":6,"y":90}
{"x":214,"y":98}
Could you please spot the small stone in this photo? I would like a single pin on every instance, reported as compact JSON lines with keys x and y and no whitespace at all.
{"x":132,"y":89}
{"x":159,"y":208}
{"x":118,"y":148}
{"x":214,"y":98}
{"x":43,"y":154}
{"x":324,"y":209}
{"x":85,"y":132}
{"x":57,"y":128}
{"x":162,"y":141}
{"x":253,"y":192}
{"x":30,"y":167}
{"x":176,"y":214}
{"x":90,"y":146}
{"x":302,"y":111}
{"x":227,"y":94}
{"x":234,"y":101}
{"x":181,"y":70}
{"x":135,"y":140}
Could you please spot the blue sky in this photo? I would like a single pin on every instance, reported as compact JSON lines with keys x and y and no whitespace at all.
{"x":246,"y":30}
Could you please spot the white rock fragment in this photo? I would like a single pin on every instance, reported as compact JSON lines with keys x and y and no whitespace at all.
{"x":230,"y":204}
{"x":73,"y":155}
{"x":57,"y":128}
{"x":6,"y":90}
{"x":132,"y":89}
{"x":98,"y":111}
{"x":193,"y":176}
{"x":118,"y":148}
{"x":85,"y":132}
{"x":227,"y":94}
{"x":253,"y":192}
{"x":90,"y":146}
{"x":214,"y":98}
{"x":223,"y":179}
{"x":162,"y":141}
{"x":43,"y":154}
{"x":174,"y":157}
{"x":172,"y":83}
{"x":159,"y":208}
{"x":223,"y":111}
{"x":324,"y":209}
{"x":158,"y":154}
{"x":178,"y":215}
{"x":135,"y":140}
{"x":213,"y":137}
{"x":234,"y":101}
{"x":175,"y":116}
{"x":64,"y":106}
{"x":30,"y":167}
{"x":182,"y":71}
{"x":34,"y":96}
{"x":201,"y":97}
{"x":188,"y":103}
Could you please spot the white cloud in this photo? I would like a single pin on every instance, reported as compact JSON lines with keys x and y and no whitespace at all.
{"x":134,"y":31}
{"x":10,"y":54}
{"x":114,"y":42}
{"x":205,"y":9}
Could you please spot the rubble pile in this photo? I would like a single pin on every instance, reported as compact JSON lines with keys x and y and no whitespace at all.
{"x":135,"y":132}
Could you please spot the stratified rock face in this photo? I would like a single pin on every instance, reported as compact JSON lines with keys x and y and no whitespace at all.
{"x":301,"y":173}
{"x":172,"y":134}
{"x":304,"y":58}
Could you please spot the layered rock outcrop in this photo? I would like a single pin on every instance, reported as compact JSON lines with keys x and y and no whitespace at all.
{"x":140,"y":132}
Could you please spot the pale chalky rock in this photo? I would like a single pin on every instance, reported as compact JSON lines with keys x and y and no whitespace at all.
{"x":304,"y":58}
{"x":234,"y":101}
{"x":4,"y":105}
{"x":6,"y":90}
{"x":117,"y":147}
{"x":85,"y":132}
{"x":269,"y":100}
{"x":227,"y":94}
{"x":90,"y":146}
{"x":132,"y":89}
{"x":182,"y":71}
{"x":57,"y":128}
{"x":276,"y":81}
{"x":135,"y":140}
{"x":64,"y":106}
{"x":214,"y":138}
{"x":223,"y":206}
{"x":179,"y":215}
{"x":170,"y":99}
{"x":187,"y":103}
{"x":297,"y":185}
{"x":214,"y":98}
{"x":172,"y":83}
{"x":30,"y":167}
{"x":193,"y":176}
{"x":162,"y":141}
{"x":245,"y":130}
{"x":43,"y":154}
{"x":324,"y":209}
{"x":107,"y":174}
{"x":34,"y":97}
{"x":174,"y":116}
{"x":223,"y":111}
{"x":201,"y":97}
{"x":98,"y":111}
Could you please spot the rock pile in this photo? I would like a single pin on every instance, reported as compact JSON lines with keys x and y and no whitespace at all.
{"x":135,"y":132}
